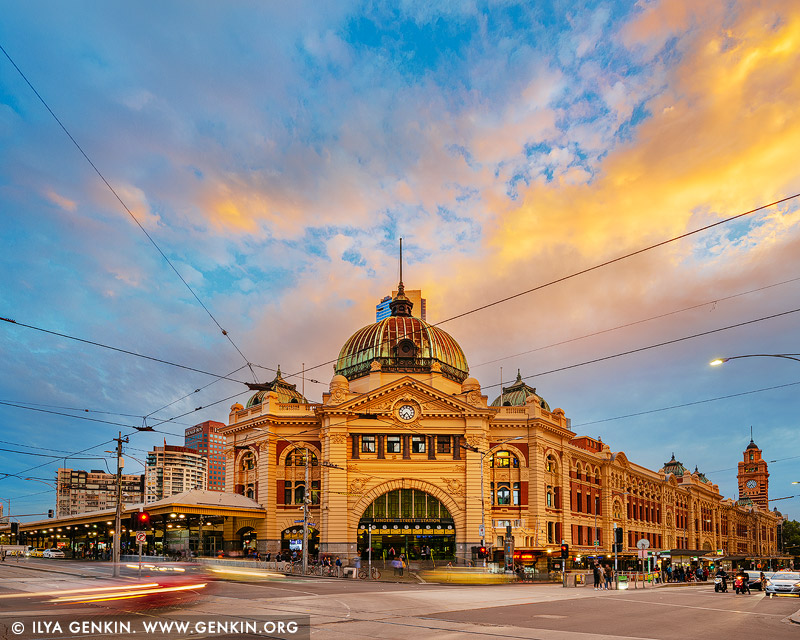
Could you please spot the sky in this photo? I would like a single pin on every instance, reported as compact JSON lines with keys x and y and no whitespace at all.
{"x":275,"y":153}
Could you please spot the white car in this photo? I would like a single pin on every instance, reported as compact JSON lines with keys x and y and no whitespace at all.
{"x":53,"y":553}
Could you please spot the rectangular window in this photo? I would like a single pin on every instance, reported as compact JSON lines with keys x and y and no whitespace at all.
{"x":515,"y":494}
{"x":406,"y":503}
{"x":315,"y":492}
{"x":550,"y":532}
{"x":442,"y":444}
{"x":367,"y":444}
{"x":549,"y":496}
{"x":393,"y":444}
{"x":393,"y":504}
{"x":287,"y":493}
{"x":579,"y":502}
{"x":417,"y":444}
{"x":420,"y":508}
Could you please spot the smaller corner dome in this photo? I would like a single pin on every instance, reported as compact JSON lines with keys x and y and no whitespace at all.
{"x":237,"y":407}
{"x":339,"y":382}
{"x":470,"y":384}
{"x":674,"y":467}
{"x":517,"y":395}
{"x":287,"y":393}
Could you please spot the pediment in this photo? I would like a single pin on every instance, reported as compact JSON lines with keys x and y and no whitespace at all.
{"x":621,"y":458}
{"x":383,"y":399}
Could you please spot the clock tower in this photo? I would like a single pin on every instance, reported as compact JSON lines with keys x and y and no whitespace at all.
{"x":753,"y":477}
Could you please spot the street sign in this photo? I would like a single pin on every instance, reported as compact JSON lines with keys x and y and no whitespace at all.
{"x":299,"y":521}
{"x":644,"y":543}
{"x":642,"y":553}
{"x":596,"y":543}
{"x":482,"y":531}
{"x":141,"y":536}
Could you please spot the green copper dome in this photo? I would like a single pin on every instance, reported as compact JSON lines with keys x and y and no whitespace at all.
{"x":402,"y":343}
{"x":517,"y":394}
{"x":674,"y":467}
{"x":286,"y":392}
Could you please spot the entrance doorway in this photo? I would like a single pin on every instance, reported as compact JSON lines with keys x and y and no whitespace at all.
{"x":409,"y":522}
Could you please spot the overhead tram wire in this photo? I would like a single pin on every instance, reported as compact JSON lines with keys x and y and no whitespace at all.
{"x":653,"y":346}
{"x":589,"y":269}
{"x":685,"y":404}
{"x":127,"y":209}
{"x":631,"y":324}
{"x":198,"y":390}
{"x":68,"y":457}
{"x":119,"y":350}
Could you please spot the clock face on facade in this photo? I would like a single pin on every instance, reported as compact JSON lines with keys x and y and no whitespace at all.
{"x":751,"y":484}
{"x":406,"y":412}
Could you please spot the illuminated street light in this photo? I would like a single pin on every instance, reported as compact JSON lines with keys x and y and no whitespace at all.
{"x":788,"y":356}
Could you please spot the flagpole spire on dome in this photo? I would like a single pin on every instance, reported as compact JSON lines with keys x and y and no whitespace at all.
{"x":400,"y":305}
{"x":400,"y":287}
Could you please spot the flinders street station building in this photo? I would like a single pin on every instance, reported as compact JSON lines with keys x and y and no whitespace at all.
{"x":406,"y":448}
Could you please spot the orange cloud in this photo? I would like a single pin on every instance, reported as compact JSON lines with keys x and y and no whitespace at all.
{"x":723,"y":137}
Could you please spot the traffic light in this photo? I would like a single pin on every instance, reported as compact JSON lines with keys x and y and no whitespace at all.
{"x":482,"y":552}
{"x":142,"y":520}
{"x":50,"y":513}
{"x":564,"y":550}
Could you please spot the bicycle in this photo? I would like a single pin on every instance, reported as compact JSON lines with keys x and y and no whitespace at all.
{"x":375,"y":574}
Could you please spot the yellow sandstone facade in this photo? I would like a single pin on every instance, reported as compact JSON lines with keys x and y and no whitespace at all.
{"x":404,"y":444}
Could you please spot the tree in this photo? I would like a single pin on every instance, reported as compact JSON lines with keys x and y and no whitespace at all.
{"x":791,"y":537}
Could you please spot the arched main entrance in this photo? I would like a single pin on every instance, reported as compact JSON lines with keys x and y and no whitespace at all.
{"x":409,"y":521}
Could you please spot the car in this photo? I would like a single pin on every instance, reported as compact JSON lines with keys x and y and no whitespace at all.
{"x":53,"y":553}
{"x":754,"y":579}
{"x":38,"y":552}
{"x":783,"y":583}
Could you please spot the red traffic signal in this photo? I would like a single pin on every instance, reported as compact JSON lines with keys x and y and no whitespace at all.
{"x":565,"y":550}
{"x":482,"y":552}
{"x":142,"y":519}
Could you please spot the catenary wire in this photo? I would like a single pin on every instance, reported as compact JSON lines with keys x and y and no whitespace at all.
{"x":631,"y":324}
{"x":588,"y":270}
{"x":127,"y":209}
{"x":653,"y":346}
{"x":685,"y":404}
{"x":130,"y":353}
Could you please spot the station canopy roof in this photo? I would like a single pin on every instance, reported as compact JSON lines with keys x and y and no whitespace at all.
{"x":196,"y":501}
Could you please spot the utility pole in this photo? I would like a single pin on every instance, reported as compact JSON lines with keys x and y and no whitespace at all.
{"x":118,"y":518}
{"x":306,"y":499}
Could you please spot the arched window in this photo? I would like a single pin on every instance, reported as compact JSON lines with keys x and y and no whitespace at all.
{"x":250,"y":493}
{"x":578,"y":471}
{"x":504,"y":460}
{"x":297,"y":458}
{"x":248,"y":461}
{"x":503,"y":493}
{"x":299,"y":494}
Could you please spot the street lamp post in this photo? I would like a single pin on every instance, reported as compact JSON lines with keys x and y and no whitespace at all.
{"x":787,"y":356}
{"x":483,"y":494}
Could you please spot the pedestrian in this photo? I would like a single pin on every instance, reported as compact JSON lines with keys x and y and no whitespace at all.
{"x":608,"y":574}
{"x":268,"y":556}
{"x":596,"y":574}
{"x":338,"y":567}
{"x":402,"y":564}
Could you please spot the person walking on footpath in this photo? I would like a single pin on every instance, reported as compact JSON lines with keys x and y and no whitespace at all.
{"x":608,"y":574}
{"x":597,"y":576}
